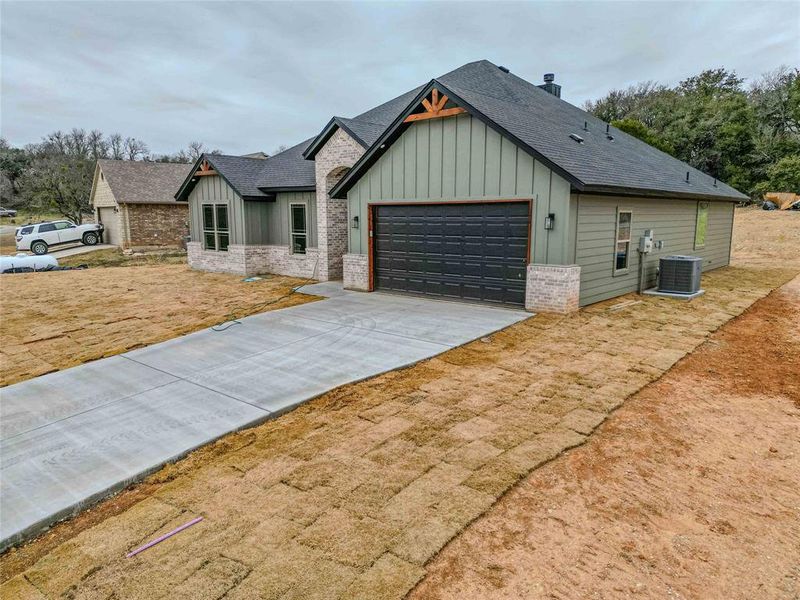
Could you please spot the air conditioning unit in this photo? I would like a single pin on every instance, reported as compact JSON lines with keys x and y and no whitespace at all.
{"x":679,"y":274}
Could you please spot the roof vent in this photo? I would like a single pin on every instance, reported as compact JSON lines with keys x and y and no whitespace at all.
{"x":549,"y":86}
{"x":576,"y":137}
{"x":504,"y":69}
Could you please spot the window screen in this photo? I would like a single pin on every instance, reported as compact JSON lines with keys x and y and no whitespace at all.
{"x":623,"y":241}
{"x":701,"y":226}
{"x":298,"y":228}
{"x":215,"y":227}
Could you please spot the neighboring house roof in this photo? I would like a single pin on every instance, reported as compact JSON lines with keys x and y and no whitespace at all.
{"x":542,"y":124}
{"x":141,"y":182}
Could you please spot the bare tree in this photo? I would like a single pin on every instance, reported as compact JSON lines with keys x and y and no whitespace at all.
{"x":135,"y":149}
{"x":116,"y":146}
{"x":98,"y":147}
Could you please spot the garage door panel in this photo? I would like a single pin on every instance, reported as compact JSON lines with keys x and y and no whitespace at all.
{"x":473,"y":252}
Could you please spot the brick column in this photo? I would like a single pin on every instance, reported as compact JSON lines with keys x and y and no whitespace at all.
{"x":332,"y":162}
{"x":356,"y":272}
{"x":553,"y":288}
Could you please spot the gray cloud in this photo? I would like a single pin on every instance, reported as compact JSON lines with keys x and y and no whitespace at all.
{"x":244,"y":76}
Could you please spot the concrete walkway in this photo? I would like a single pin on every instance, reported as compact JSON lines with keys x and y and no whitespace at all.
{"x":71,"y":437}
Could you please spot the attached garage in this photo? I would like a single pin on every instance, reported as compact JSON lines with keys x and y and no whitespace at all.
{"x":475,"y":251}
{"x":109,"y":217}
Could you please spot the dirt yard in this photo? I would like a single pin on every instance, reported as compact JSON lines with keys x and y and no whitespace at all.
{"x":353,"y":494}
{"x":52,"y":321}
{"x":691,"y":490}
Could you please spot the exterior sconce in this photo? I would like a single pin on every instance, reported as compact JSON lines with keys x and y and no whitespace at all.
{"x":550,"y":221}
{"x":355,"y":222}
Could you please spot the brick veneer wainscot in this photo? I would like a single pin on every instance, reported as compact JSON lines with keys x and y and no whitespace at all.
{"x":553,"y":288}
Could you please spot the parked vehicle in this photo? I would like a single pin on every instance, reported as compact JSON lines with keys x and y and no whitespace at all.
{"x":7,"y":212}
{"x":26,"y":262}
{"x":41,"y":237}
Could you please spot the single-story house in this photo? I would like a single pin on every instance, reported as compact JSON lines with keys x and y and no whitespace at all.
{"x":478,"y":185}
{"x":135,"y":203}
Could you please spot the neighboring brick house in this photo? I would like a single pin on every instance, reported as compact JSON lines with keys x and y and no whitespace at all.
{"x":134,"y":200}
{"x":476,"y":186}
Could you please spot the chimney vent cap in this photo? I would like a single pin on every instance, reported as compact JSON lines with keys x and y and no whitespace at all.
{"x":549,"y":77}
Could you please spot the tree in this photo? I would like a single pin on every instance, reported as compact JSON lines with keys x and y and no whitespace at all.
{"x":13,"y":164}
{"x":134,"y":149}
{"x":60,"y":182}
{"x":116,"y":146}
{"x":639,"y":130}
{"x":783,"y":176}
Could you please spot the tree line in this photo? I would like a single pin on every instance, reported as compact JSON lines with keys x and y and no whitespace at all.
{"x":56,"y":174}
{"x":745,"y":135}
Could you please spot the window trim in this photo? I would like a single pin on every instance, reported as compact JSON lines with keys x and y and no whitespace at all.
{"x":706,"y":205}
{"x":214,"y":230}
{"x":293,"y":233}
{"x":617,"y":241}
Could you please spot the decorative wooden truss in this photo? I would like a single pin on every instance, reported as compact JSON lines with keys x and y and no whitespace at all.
{"x":434,"y":109}
{"x":205,"y":169}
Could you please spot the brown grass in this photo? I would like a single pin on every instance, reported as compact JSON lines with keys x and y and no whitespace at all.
{"x":52,"y":321}
{"x":352,"y":494}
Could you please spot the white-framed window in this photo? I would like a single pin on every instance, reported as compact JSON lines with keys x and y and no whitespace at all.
{"x":701,"y":225}
{"x":622,"y":245}
{"x":298,"y":228}
{"x":215,"y":227}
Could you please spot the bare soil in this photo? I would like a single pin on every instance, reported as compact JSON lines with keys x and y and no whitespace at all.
{"x":52,"y":321}
{"x":352,"y":495}
{"x":691,"y":490}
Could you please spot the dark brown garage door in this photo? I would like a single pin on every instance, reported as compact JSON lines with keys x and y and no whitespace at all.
{"x":463,"y":251}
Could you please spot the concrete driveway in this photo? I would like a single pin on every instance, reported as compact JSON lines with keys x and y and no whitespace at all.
{"x":69,"y":438}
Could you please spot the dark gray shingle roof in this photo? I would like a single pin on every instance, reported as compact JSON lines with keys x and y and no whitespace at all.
{"x":545,"y":122}
{"x":140,"y":182}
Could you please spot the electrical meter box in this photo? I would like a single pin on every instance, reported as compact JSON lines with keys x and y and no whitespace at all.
{"x":646,"y":242}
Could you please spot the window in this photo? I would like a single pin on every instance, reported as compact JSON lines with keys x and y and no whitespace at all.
{"x":701,"y":226}
{"x":63,"y":225}
{"x":215,"y":227}
{"x":47,"y":227}
{"x":622,"y":248}
{"x":297,"y":228}
{"x":25,"y":230}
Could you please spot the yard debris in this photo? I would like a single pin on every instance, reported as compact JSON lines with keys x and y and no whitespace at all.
{"x":158,"y":540}
{"x":782,"y":200}
{"x":626,"y":304}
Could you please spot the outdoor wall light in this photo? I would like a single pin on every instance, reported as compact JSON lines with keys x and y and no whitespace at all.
{"x":355,"y":222}
{"x":550,"y":221}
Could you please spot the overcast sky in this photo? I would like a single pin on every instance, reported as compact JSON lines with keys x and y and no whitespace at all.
{"x":246,"y":76}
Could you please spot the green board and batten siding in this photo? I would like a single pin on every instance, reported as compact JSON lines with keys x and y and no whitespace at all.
{"x":461,"y":158}
{"x":673,"y":222}
{"x":214,"y":190}
{"x":253,"y":223}
{"x":267,"y":223}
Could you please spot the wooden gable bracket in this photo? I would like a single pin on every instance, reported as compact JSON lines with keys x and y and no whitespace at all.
{"x":434,"y":109}
{"x":204,"y":169}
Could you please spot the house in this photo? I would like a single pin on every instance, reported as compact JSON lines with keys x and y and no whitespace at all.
{"x":134,"y":201}
{"x":478,"y":185}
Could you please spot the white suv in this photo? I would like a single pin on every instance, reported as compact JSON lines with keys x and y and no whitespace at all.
{"x":39,"y":238}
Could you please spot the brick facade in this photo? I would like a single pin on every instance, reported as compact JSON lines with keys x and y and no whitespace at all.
{"x":254,"y":260}
{"x":553,"y":288}
{"x":331,"y":163}
{"x":154,"y":225}
{"x":356,"y":272}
